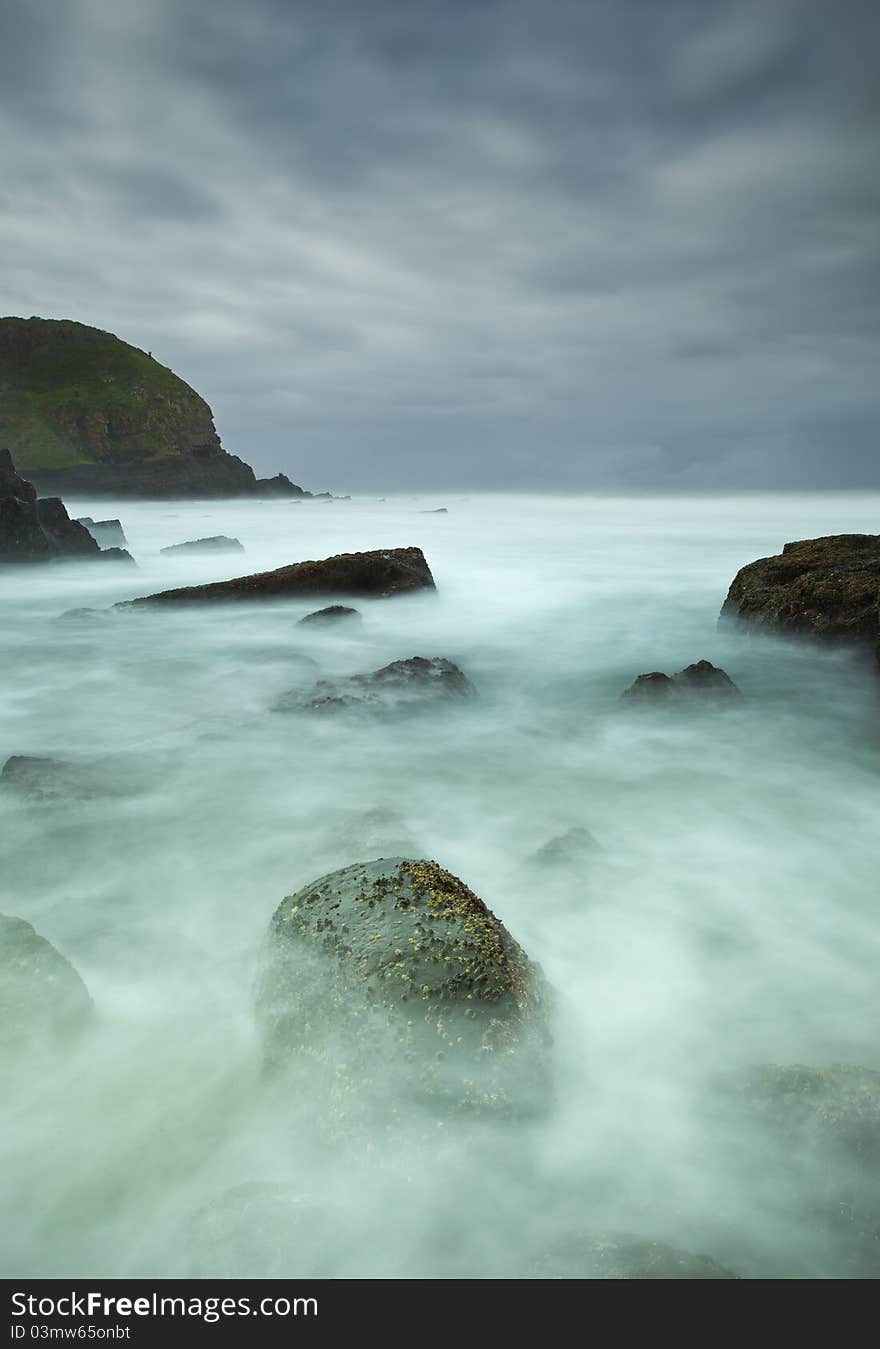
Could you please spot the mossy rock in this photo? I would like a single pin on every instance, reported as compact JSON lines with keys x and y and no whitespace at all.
{"x":395,"y":967}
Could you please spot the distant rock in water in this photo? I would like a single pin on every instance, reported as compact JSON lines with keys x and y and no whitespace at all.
{"x":117,"y":555}
{"x":574,"y":847}
{"x":826,"y":588}
{"x":376,"y":575}
{"x":216,"y":543}
{"x":87,"y":414}
{"x":331,"y":615}
{"x":395,"y":966}
{"x":36,"y":529}
{"x":441,"y":510}
{"x":404,"y":685}
{"x":106,"y":533}
{"x":279,"y":486}
{"x":702,"y":678}
{"x":44,"y":1004}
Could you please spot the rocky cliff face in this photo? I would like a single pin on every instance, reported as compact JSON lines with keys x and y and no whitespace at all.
{"x":33,"y":530}
{"x":84,"y":413}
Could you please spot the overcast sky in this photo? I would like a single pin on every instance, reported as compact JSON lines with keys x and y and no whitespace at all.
{"x":441,"y":243}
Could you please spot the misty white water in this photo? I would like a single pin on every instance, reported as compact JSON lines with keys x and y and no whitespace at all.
{"x":729,"y":918}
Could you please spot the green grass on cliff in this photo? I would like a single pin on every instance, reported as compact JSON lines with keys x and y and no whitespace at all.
{"x":71,"y":394}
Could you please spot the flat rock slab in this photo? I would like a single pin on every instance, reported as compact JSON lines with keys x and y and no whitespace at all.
{"x":334,"y":613}
{"x":376,"y":575}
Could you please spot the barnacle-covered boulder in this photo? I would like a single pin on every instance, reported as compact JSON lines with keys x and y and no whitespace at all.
{"x":394,"y":970}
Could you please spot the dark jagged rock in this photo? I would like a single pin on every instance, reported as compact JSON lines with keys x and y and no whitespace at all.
{"x":216,"y":543}
{"x":44,"y":1003}
{"x":401,"y":686}
{"x":702,"y":678}
{"x":90,"y":415}
{"x":117,"y":555}
{"x":332,"y":614}
{"x":375,"y":575}
{"x":654,"y":685}
{"x":395,"y":965}
{"x":36,"y":529}
{"x":279,"y":486}
{"x":574,"y":847}
{"x":106,"y":533}
{"x":615,"y":1255}
{"x":826,"y":588}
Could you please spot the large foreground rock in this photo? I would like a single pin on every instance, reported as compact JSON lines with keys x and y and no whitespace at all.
{"x":44,"y":1003}
{"x":392,"y":976}
{"x":826,"y":588}
{"x":33,"y":530}
{"x":404,"y":685}
{"x":376,"y":575}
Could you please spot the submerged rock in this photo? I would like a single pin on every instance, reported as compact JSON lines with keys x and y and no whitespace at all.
{"x":396,"y":968}
{"x":106,"y":533}
{"x":384,"y":572}
{"x":404,"y":685}
{"x":215,"y":543}
{"x":702,"y":678}
{"x":332,"y":614}
{"x":828,"y":588}
{"x":263,"y":1231}
{"x":48,"y":779}
{"x":44,"y":1004}
{"x":807,"y":1140}
{"x":616,"y":1255}
{"x":575,"y":846}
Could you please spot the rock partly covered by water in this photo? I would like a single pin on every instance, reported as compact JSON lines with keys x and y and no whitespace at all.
{"x":615,"y":1255}
{"x":395,"y":969}
{"x":571,"y":848}
{"x":332,"y":614}
{"x":404,"y":685}
{"x":827,"y":588}
{"x":376,"y":575}
{"x":36,"y":530}
{"x":215,"y":543}
{"x":106,"y":533}
{"x":702,"y":678}
{"x":44,"y":1003}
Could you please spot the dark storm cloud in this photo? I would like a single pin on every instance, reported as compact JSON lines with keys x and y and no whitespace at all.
{"x":473,"y":242}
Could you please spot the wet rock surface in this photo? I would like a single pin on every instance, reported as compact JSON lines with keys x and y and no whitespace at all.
{"x":701,"y":679}
{"x":403,"y":686}
{"x":613,"y":1255}
{"x":377,"y":575}
{"x":396,"y":966}
{"x":827,"y":588}
{"x":334,"y":613}
{"x":36,"y":529}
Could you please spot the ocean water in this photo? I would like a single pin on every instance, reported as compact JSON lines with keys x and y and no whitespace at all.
{"x":728,"y":917}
